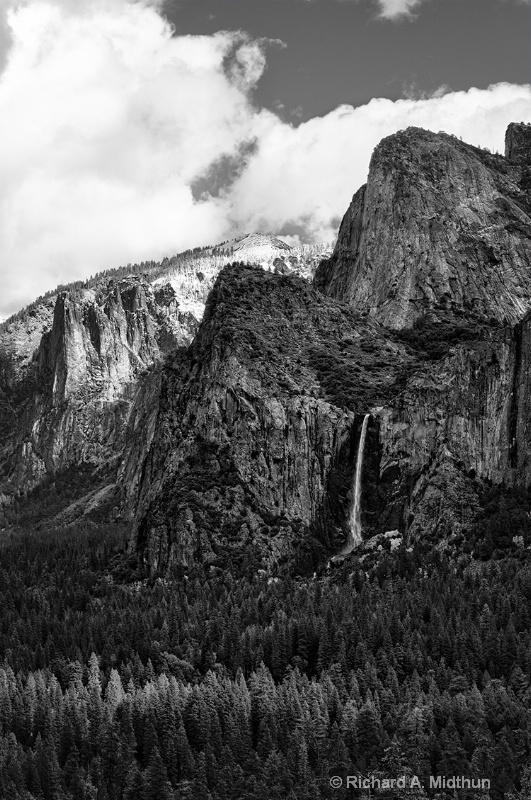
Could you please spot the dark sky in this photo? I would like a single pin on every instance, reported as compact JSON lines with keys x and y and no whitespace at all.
{"x":338,"y":51}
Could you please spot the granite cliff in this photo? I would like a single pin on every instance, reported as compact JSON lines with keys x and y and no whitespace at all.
{"x":440,"y":226}
{"x":256,"y":438}
{"x":232,"y":435}
{"x":72,"y":397}
{"x":80,"y":375}
{"x":420,"y":317}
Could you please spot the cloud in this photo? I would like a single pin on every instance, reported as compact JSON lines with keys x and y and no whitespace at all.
{"x":305,"y":176}
{"x":106,"y":120}
{"x":393,"y":9}
{"x":404,"y":9}
{"x":120,"y":141}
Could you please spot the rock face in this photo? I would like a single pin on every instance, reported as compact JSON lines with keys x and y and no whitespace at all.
{"x":440,"y":240}
{"x":76,"y":401}
{"x":462,"y":421}
{"x":253,"y":451}
{"x":258,"y":248}
{"x":240,"y":447}
{"x":80,"y":372}
{"x":258,"y":429}
{"x":440,"y":226}
{"x":518,"y":143}
{"x":256,"y":441}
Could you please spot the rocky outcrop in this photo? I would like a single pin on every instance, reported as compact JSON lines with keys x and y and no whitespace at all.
{"x":518,"y":143}
{"x":440,"y":226}
{"x":441,"y":237}
{"x":79,"y":370}
{"x":241,"y":447}
{"x":256,"y":441}
{"x":76,"y":402}
{"x":253,"y":452}
{"x":456,"y":426}
{"x":425,"y":326}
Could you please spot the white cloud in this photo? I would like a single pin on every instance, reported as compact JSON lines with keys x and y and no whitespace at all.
{"x":305,"y":176}
{"x":108,"y":122}
{"x":393,"y":9}
{"x":105,"y":122}
{"x":404,"y":9}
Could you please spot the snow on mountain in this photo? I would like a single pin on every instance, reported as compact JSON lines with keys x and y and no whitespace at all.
{"x":193,"y":278}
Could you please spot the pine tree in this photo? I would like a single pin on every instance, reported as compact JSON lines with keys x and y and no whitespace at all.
{"x":134,"y":786}
{"x":48,"y":768}
{"x":200,"y":783}
{"x":156,"y":783}
{"x":114,"y":693}
{"x":503,"y":765}
{"x":275,"y":776}
{"x":369,"y":733}
{"x":185,"y":758}
{"x":453,"y":756}
{"x":95,"y":704}
{"x":72,"y":775}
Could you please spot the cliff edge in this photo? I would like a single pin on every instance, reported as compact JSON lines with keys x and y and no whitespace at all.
{"x":441,"y":226}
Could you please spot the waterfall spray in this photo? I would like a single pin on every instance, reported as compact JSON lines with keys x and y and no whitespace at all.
{"x":354,"y":520}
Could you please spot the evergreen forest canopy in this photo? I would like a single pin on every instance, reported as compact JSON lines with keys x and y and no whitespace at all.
{"x":225,"y":686}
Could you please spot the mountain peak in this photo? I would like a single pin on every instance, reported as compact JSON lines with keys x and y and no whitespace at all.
{"x":518,"y":143}
{"x":256,"y":239}
{"x":259,"y":247}
{"x":441,"y":226}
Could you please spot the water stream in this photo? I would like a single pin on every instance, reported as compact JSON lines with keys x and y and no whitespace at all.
{"x":354,"y":520}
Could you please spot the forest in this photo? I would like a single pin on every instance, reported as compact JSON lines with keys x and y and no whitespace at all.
{"x":235,"y":685}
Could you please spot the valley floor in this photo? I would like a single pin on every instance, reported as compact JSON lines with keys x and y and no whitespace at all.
{"x":235,"y":685}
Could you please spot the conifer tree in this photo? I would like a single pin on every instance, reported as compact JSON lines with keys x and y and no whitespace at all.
{"x":156,"y":783}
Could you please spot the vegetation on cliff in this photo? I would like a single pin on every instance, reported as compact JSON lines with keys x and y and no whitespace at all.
{"x":290,"y":335}
{"x":432,"y":338}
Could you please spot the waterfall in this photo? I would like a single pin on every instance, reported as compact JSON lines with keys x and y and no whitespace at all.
{"x":354,"y":520}
{"x":355,"y":510}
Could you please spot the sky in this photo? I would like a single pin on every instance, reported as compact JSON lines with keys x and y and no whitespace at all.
{"x":134,"y":129}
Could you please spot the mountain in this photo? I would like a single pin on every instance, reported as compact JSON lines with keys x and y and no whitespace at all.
{"x":423,"y":324}
{"x":231,"y":434}
{"x":80,"y":375}
{"x":440,"y":227}
{"x":255,"y":442}
{"x":77,"y":388}
{"x":230,"y":642}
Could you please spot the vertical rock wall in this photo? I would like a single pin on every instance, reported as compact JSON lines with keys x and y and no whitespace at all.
{"x":91,"y":385}
{"x":440,"y":227}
